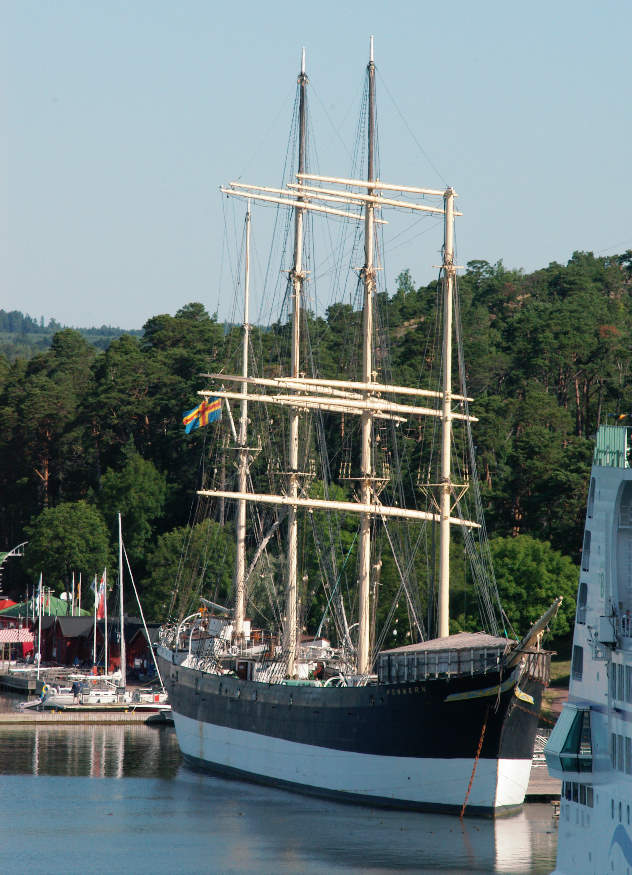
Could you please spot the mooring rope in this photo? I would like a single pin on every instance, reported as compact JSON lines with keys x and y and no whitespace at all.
{"x":476,"y":758}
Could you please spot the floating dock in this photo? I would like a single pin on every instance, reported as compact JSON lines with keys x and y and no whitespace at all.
{"x":542,"y":788}
{"x":82,"y":714}
{"x":20,"y":683}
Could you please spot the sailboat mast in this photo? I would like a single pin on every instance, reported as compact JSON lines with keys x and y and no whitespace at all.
{"x":363,"y":656}
{"x":122,"y":611}
{"x":297,"y":277}
{"x":445,"y":498}
{"x":240,"y":564}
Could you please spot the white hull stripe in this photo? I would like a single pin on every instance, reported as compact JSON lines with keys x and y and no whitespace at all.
{"x":398,"y":781}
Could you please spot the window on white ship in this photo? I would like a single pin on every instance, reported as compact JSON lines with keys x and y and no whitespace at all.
{"x":581,"y":601}
{"x":576,"y":792}
{"x":569,"y":748}
{"x":576,"y":753}
{"x":591,"y":497}
{"x":585,"y":739}
{"x":628,"y":755}
{"x":577,"y":668}
{"x":620,"y":759}
{"x":628,"y":683}
{"x":613,"y":750}
{"x":612,"y":677}
{"x":625,"y":507}
{"x":586,"y":552}
{"x":621,"y":683}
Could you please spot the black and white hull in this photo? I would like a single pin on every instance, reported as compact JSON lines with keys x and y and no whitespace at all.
{"x":409,"y":745}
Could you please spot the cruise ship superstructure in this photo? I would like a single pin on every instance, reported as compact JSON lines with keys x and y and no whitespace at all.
{"x":590,"y":749}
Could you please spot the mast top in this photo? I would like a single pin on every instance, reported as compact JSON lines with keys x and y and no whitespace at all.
{"x":371,"y":50}
{"x":302,"y":76}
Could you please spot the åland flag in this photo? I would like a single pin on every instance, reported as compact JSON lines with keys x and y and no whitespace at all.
{"x":208,"y":411}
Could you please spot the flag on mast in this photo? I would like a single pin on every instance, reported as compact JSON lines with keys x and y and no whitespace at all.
{"x":208,"y":411}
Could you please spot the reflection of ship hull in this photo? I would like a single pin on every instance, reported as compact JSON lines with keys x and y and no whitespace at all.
{"x":400,"y":745}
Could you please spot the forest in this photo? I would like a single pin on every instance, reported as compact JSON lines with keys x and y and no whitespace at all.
{"x":22,"y":336}
{"x":86,"y":432}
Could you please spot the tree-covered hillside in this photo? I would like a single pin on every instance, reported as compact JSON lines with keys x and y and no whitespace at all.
{"x":21,"y":336}
{"x":547,"y":357}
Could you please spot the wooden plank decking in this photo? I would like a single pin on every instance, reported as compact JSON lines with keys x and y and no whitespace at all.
{"x":40,"y":718}
{"x":541,"y":786}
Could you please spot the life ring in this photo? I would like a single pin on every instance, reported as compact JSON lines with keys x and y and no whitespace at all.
{"x":45,"y":689}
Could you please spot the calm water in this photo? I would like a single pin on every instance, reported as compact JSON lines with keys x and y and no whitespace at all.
{"x":114,"y":799}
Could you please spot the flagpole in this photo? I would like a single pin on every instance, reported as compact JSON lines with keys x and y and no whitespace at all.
{"x":39,"y":626}
{"x":79,"y":597}
{"x":94,"y":642}
{"x":105,"y":608}
{"x":122,"y":613}
{"x":72,"y":597}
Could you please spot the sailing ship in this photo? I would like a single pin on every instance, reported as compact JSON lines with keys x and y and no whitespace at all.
{"x":590,"y":748}
{"x":444,"y":723}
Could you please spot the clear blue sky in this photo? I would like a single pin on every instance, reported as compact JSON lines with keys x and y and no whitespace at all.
{"x":119,"y":120}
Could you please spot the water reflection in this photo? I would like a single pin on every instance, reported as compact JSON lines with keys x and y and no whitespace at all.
{"x":163,"y":817}
{"x":89,"y":751}
{"x":261,"y":825}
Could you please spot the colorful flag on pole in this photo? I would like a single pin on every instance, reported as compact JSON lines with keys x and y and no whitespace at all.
{"x":99,"y":597}
{"x":208,"y":411}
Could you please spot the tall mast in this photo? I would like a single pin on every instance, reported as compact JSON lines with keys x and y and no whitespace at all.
{"x":122,"y":612}
{"x":298,"y":278}
{"x":240,"y":564}
{"x":368,"y":272}
{"x":445,"y":498}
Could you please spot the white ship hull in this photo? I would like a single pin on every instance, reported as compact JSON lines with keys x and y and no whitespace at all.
{"x":361,"y":777}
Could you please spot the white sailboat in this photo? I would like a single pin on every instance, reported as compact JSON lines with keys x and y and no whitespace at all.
{"x":109,"y":690}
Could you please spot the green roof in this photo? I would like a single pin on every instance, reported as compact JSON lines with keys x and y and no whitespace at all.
{"x":52,"y":605}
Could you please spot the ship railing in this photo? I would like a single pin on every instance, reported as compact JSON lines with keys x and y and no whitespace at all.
{"x":261,"y":647}
{"x":537,"y":665}
{"x":542,"y":736}
{"x":429,"y":664}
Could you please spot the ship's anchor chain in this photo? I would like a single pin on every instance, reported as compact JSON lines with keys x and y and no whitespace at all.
{"x":476,"y":758}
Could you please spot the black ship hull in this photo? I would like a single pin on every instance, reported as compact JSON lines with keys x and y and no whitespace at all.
{"x":407,"y":745}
